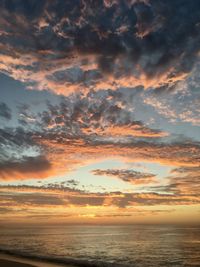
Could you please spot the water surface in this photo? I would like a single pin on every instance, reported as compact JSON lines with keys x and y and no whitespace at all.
{"x":136,"y":245}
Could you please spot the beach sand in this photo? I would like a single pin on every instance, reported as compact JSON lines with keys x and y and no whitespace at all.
{"x":13,"y":261}
{"x":10,"y":263}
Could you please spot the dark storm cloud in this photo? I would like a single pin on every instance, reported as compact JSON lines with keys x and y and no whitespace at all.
{"x":61,"y":40}
{"x":5,"y":111}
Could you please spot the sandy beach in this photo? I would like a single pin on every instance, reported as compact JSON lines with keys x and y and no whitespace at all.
{"x":13,"y":261}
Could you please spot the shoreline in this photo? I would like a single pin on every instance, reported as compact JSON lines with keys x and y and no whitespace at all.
{"x":9,"y":260}
{"x":13,"y":259}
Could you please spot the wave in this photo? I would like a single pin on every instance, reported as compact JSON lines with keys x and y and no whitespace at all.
{"x":61,"y":260}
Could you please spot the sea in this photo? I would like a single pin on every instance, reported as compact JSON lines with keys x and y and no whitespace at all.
{"x":106,"y":245}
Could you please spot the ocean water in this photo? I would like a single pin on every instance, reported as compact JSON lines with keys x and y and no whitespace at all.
{"x":89,"y":245}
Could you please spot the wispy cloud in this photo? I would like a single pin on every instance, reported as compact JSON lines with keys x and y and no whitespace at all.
{"x":130,"y":176}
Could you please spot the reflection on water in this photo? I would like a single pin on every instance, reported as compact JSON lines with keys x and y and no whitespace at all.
{"x":142,"y":245}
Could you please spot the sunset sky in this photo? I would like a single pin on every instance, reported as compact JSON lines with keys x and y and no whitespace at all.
{"x":99,"y":111}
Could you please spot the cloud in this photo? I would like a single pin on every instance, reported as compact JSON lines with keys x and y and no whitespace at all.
{"x":54,"y":196}
{"x":175,"y":111}
{"x":185,"y":180}
{"x":36,"y":199}
{"x":88,"y":116}
{"x":79,"y":130}
{"x":103,"y":125}
{"x":21,"y":157}
{"x":27,"y":166}
{"x":101,"y":56}
{"x":129,"y":176}
{"x":76,"y":46}
{"x":5,"y":111}
{"x":72,"y":182}
{"x":5,"y":210}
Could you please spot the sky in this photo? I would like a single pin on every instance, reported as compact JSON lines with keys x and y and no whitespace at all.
{"x":99,"y":111}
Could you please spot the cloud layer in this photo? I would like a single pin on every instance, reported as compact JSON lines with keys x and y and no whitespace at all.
{"x":119,"y":82}
{"x":74,"y":46}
